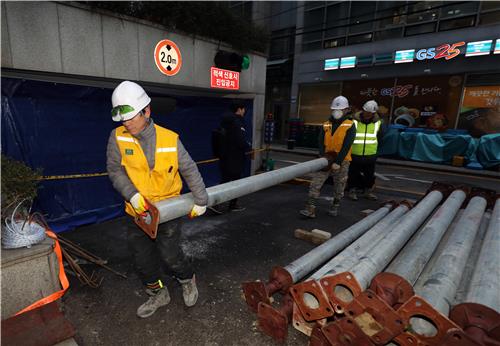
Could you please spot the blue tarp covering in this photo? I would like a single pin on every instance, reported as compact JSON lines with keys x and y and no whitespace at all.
{"x":488,"y":150}
{"x":64,"y":129}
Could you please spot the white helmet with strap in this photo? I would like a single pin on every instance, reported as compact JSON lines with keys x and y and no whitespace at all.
{"x":370,"y":106}
{"x":128,"y":100}
{"x":340,"y":102}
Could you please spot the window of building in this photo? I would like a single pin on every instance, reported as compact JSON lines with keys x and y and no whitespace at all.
{"x":313,"y":4}
{"x":422,"y":11}
{"x":362,"y":15}
{"x":335,"y":42}
{"x":360,"y":38}
{"x":489,"y":18}
{"x":390,"y":33}
{"x":458,"y":23}
{"x":490,"y":5}
{"x":315,"y":100}
{"x":390,"y":14}
{"x":420,"y":29}
{"x":311,"y":46}
{"x":336,"y":16}
{"x":459,"y":9}
{"x":313,"y":21}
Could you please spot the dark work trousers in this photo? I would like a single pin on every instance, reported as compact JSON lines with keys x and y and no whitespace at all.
{"x":361,"y":173}
{"x":151,"y":255}
{"x":227,"y":176}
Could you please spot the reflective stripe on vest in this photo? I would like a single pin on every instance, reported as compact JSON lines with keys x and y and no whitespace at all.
{"x":366,"y":142}
{"x":161,"y":182}
{"x":334,"y":143}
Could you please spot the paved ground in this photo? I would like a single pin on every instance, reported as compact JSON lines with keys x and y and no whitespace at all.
{"x":226,"y":250}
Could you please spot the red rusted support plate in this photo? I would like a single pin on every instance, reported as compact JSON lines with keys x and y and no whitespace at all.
{"x":376,"y":319}
{"x":274,"y":322}
{"x":258,"y":291}
{"x":479,"y":322}
{"x":341,"y":289}
{"x":317,"y":337}
{"x":311,"y":300}
{"x":345,"y":332}
{"x":418,"y":307}
{"x":301,"y":324}
{"x":407,"y":339}
{"x":392,"y":288}
{"x":149,"y":220}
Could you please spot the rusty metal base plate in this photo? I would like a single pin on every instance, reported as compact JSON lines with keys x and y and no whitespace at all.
{"x":392,"y":288}
{"x":345,"y":332}
{"x":319,"y":309}
{"x":302,"y":325}
{"x":149,"y":221}
{"x":255,"y":292}
{"x":350,"y":289}
{"x":318,"y":338}
{"x":479,"y":322}
{"x":272,"y":322}
{"x":375,"y":318}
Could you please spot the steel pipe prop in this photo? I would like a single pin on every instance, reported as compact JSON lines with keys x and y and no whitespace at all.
{"x":309,"y":296}
{"x":282,"y":278}
{"x":411,"y":261}
{"x":179,"y":206}
{"x":479,"y":316}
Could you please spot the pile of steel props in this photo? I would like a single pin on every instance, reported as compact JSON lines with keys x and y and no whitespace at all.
{"x":396,"y":283}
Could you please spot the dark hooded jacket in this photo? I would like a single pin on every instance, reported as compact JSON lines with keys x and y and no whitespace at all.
{"x":235,"y":145}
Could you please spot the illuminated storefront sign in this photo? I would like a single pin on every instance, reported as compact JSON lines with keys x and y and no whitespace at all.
{"x":478,"y":48}
{"x":403,"y":56}
{"x":331,"y":64}
{"x":348,"y":62}
{"x":497,"y":47}
{"x":445,"y":51}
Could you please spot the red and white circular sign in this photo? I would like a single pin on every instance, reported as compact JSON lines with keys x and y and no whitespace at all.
{"x":168,"y":57}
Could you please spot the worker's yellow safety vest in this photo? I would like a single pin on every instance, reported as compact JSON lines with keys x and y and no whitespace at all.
{"x":334,"y":143}
{"x":366,"y":142}
{"x":163,"y":181}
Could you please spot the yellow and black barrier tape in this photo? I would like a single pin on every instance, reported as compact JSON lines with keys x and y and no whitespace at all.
{"x":92,"y":175}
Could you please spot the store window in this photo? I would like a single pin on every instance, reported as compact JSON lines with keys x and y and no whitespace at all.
{"x":362,"y":15}
{"x":480,"y":110}
{"x":431,"y":101}
{"x":314,"y":102}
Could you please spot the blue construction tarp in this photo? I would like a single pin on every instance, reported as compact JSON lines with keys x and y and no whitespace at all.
{"x":488,"y":150}
{"x":64,"y":130}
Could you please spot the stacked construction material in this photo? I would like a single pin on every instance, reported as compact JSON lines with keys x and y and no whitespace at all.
{"x":395,"y":282}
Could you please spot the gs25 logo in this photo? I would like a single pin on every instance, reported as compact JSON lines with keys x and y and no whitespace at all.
{"x":444,"y":51}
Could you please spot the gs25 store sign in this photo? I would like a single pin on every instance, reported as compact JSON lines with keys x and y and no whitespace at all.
{"x":446,"y":51}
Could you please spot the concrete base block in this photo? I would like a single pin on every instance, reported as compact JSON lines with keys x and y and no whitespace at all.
{"x":28,"y":275}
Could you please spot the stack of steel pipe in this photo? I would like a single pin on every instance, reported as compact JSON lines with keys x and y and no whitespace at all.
{"x":392,"y":310}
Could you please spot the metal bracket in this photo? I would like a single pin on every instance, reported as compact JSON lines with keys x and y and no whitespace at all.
{"x":318,"y":338}
{"x":392,"y":288}
{"x":479,"y":322}
{"x":302,"y":325}
{"x":149,"y":221}
{"x":312,"y":288}
{"x":345,"y":332}
{"x":341,"y":289}
{"x":256,"y":292}
{"x":274,"y":322}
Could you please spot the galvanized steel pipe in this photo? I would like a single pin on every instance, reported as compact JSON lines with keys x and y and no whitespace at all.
{"x":311,"y":260}
{"x":441,"y":285}
{"x":485,"y":283}
{"x":350,"y":255}
{"x":381,"y":253}
{"x":176,"y":207}
{"x":414,"y":256}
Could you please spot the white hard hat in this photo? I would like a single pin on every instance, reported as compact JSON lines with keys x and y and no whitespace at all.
{"x":370,"y":106}
{"x":128,"y":100}
{"x":340,"y":102}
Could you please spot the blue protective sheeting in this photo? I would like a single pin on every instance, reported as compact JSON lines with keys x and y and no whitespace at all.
{"x":64,"y":129}
{"x":488,"y":150}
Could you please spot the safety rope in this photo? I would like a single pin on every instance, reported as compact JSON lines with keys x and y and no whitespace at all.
{"x":90,"y":175}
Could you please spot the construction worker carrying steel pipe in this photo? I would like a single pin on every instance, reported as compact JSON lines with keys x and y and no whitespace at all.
{"x":144,"y":161}
{"x":335,"y":141}
{"x":364,"y":151}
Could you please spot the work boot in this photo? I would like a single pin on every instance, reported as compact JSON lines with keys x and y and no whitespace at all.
{"x":309,"y":211}
{"x":370,"y":195}
{"x":189,"y":291}
{"x":155,"y":301}
{"x":334,"y":209}
{"x":352,"y":194}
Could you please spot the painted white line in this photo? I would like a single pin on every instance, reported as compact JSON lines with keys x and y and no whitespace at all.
{"x":383,"y":177}
{"x":417,"y":180}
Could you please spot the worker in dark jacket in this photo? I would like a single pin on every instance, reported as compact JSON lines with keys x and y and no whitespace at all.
{"x":364,"y":152}
{"x":145,"y":162}
{"x":335,"y":141}
{"x":233,"y":147}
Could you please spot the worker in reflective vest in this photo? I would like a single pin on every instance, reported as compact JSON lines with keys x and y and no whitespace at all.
{"x":145,"y":162}
{"x":364,"y":152}
{"x":335,"y":141}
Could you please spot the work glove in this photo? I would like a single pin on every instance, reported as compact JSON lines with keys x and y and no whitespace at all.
{"x":335,"y":167}
{"x":197,"y":210}
{"x":139,"y":203}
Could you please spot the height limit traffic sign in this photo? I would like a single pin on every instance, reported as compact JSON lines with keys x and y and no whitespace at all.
{"x":168,"y":57}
